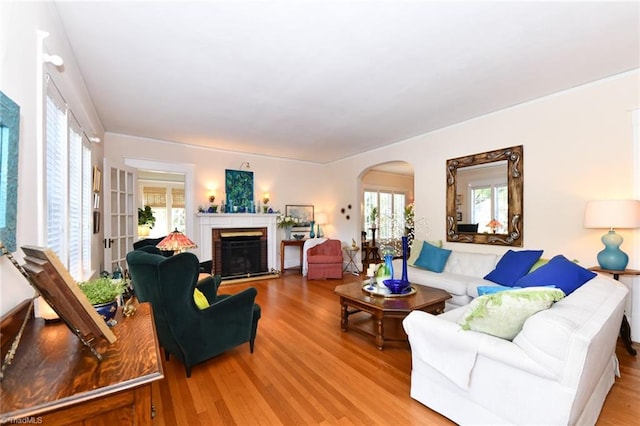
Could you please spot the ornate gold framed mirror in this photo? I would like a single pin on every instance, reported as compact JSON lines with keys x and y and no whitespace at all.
{"x":484,"y":198}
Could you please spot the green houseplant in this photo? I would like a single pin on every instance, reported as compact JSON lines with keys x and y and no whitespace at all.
{"x":373,"y":215}
{"x":146,"y":221}
{"x":103,"y":294}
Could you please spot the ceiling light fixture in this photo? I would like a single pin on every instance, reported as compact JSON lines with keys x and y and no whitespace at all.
{"x":53,"y":60}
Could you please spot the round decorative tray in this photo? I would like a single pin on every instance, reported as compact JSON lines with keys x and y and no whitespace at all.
{"x":385,"y":292}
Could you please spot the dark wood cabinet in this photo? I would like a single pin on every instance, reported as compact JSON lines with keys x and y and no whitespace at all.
{"x":54,"y":379}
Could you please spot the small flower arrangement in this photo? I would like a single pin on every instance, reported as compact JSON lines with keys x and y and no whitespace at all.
{"x":288,"y":221}
{"x":409,"y":215}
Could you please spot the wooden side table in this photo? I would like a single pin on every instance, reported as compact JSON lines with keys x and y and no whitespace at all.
{"x":625,"y":328}
{"x":294,"y":243}
{"x":370,"y":254}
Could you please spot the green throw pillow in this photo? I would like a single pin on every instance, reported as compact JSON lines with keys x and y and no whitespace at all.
{"x":416,"y":248}
{"x":200,"y":299}
{"x":503,"y":314}
{"x":541,"y":262}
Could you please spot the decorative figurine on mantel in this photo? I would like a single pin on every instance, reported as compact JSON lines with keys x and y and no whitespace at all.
{"x":213,"y":208}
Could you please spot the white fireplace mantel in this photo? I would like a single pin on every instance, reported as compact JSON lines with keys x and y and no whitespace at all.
{"x":205,"y":222}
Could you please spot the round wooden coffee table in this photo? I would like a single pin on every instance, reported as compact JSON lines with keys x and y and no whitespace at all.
{"x":354,"y":299}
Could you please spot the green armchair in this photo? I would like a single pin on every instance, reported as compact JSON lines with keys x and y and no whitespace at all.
{"x":192,"y":334}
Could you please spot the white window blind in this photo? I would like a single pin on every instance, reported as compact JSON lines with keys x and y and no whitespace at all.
{"x":154,"y":196}
{"x":68,"y":186}
{"x":177,"y":198}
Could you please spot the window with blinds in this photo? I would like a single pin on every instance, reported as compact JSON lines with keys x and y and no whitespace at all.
{"x":67,"y":185}
{"x":390,"y":207}
{"x":167,"y":204}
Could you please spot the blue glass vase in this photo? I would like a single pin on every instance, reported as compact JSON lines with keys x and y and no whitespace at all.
{"x":388,"y":263}
{"x":312,"y":233}
{"x":405,"y":250}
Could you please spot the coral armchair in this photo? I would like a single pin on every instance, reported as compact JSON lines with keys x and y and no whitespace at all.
{"x":192,"y":334}
{"x":325,"y":260}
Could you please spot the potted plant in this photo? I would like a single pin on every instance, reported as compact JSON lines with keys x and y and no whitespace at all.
{"x":103,"y":294}
{"x":146,"y":221}
{"x":373,"y":215}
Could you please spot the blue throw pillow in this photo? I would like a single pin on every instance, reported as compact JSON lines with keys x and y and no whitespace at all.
{"x":513,"y":266}
{"x":561,"y":272}
{"x":432,"y":258}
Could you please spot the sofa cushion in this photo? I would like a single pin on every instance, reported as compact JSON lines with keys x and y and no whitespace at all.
{"x":471,"y":264}
{"x":503,"y":314}
{"x":547,"y":336}
{"x":561,"y":272}
{"x":432,"y":258}
{"x":513,"y":266}
{"x":319,"y":258}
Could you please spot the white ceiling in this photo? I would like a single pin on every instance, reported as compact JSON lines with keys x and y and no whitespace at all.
{"x":323,"y":80}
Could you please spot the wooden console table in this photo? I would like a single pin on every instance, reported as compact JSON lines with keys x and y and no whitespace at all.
{"x":625,"y":328}
{"x":55,"y":380}
{"x":295,"y":243}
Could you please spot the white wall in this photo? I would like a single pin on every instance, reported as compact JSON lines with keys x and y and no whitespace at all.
{"x":21,"y":80}
{"x":577,"y":147}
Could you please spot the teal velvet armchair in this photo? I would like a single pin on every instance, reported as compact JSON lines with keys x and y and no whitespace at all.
{"x":192,"y":334}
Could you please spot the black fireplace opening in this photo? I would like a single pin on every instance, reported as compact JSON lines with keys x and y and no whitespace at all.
{"x":242,"y":256}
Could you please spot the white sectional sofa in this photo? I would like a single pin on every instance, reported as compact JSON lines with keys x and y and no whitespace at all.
{"x":556,"y":371}
{"x":463,"y":272}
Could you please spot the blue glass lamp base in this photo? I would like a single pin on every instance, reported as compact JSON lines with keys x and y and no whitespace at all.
{"x":612,"y":258}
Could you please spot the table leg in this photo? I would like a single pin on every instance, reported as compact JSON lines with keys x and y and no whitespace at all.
{"x":344,"y":316}
{"x":282,"y":257}
{"x":379,"y":330}
{"x":625,"y":334}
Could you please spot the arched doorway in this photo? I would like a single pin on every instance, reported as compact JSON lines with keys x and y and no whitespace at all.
{"x":386,"y":191}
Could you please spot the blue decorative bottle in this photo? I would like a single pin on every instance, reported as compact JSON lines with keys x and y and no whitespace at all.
{"x":312,"y":233}
{"x":388,"y":263}
{"x":405,"y":249}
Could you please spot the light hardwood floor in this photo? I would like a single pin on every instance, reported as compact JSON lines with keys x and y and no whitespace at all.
{"x":305,"y":370}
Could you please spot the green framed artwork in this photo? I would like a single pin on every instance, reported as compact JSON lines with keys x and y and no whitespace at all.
{"x":9,"y":131}
{"x":239,"y":189}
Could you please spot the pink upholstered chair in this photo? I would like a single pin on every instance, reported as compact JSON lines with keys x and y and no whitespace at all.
{"x":325,"y":260}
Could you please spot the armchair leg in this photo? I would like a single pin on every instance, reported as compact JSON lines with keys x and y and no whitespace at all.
{"x":188,"y":368}
{"x":251,"y":344}
{"x":166,"y":355}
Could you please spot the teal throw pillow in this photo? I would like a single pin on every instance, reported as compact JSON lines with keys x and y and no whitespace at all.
{"x":503,"y":314}
{"x":432,"y":258}
{"x":561,"y":272}
{"x":416,"y":249}
{"x":513,"y":266}
{"x":492,"y":289}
